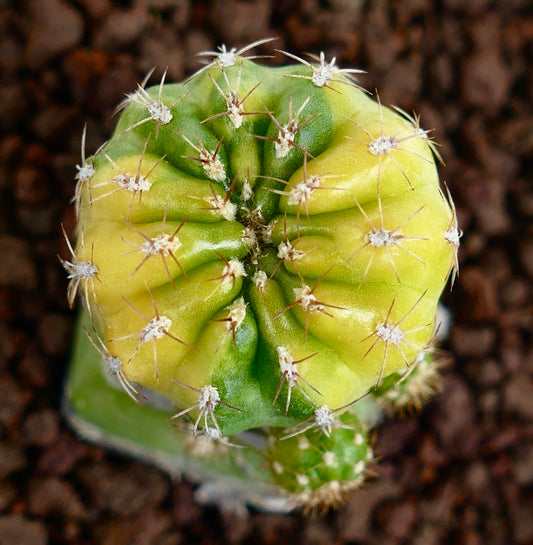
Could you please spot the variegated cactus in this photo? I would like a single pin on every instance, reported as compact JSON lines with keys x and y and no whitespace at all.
{"x":265,"y":248}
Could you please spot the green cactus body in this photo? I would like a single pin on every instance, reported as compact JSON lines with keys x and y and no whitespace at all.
{"x":264,"y":241}
{"x":318,"y":466}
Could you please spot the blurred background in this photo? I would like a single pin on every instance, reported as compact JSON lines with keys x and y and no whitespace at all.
{"x":461,"y":472}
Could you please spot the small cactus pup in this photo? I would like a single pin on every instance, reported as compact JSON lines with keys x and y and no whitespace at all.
{"x":260,"y":253}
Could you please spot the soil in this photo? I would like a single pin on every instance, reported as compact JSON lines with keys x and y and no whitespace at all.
{"x":460,"y":472}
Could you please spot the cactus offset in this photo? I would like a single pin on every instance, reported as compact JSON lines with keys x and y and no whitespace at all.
{"x":266,"y":246}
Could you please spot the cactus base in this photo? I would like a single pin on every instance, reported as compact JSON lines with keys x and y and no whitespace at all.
{"x":102,"y":413}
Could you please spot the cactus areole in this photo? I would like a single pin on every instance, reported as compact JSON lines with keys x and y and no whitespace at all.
{"x":263,"y":248}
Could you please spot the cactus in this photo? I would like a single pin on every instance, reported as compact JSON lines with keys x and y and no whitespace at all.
{"x":264,"y":249}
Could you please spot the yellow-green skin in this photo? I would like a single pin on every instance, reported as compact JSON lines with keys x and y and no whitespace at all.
{"x":365,"y":289}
